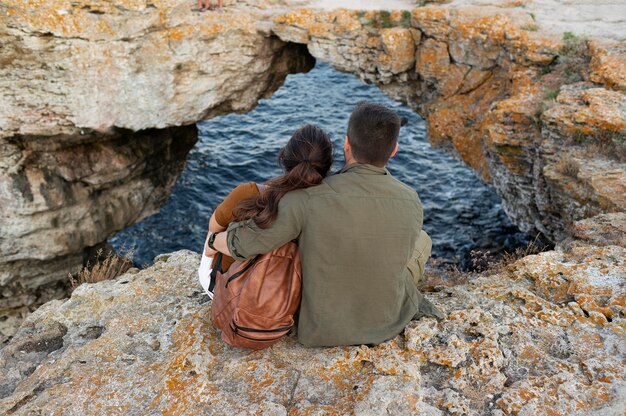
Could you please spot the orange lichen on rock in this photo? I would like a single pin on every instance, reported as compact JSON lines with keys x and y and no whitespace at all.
{"x":399,"y":46}
{"x":301,"y":18}
{"x":550,"y":395}
{"x":538,"y":48}
{"x":608,"y":64}
{"x":596,"y":290}
{"x":501,"y":347}
{"x":587,"y":110}
{"x":434,"y":22}
{"x":459,"y":120}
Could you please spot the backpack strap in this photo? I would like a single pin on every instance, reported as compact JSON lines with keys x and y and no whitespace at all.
{"x":251,"y":263}
{"x":218,"y":267}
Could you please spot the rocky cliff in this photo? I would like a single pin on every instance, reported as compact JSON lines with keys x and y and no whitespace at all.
{"x":97,"y":111}
{"x":515,"y":103}
{"x":545,"y":336}
{"x":62,"y":196}
{"x":133,"y":65}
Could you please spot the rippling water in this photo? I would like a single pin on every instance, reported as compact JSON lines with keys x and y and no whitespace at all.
{"x":460,"y":212}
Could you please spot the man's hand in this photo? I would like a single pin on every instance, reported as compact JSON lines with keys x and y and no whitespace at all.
{"x":220,"y":244}
{"x":208,"y":251}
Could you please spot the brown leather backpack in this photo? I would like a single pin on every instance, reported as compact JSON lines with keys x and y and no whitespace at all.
{"x":255,"y":301}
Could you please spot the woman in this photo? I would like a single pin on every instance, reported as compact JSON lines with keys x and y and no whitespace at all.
{"x":306,"y":160}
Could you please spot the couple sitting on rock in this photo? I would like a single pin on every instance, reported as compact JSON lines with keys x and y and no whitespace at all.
{"x":359,"y":231}
{"x":208,"y":6}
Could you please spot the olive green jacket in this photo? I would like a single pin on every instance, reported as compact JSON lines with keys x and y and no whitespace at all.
{"x":356,"y":232}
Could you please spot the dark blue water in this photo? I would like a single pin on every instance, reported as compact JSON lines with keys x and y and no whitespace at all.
{"x":460,"y":212}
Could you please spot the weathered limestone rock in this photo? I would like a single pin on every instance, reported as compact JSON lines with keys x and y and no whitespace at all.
{"x":584,"y":109}
{"x":131,"y":64}
{"x":64,"y":195}
{"x":608,"y":65}
{"x":602,"y":230}
{"x":587,"y":280}
{"x":545,"y":338}
{"x":92,"y":94}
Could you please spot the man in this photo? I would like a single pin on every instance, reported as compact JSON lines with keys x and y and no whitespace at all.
{"x":357,"y":233}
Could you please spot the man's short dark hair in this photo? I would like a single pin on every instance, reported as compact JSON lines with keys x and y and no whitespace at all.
{"x":373,"y":133}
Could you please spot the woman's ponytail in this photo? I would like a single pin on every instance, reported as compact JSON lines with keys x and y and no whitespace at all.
{"x":307,"y":158}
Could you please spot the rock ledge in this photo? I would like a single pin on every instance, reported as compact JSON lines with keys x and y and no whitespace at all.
{"x":547,"y":336}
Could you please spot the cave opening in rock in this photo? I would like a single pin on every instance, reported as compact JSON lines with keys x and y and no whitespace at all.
{"x":461,"y":212}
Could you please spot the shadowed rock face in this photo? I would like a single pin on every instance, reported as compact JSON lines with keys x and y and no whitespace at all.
{"x":63,"y":195}
{"x":544,"y":337}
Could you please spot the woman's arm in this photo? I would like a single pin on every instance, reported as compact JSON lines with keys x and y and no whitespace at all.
{"x":223,"y":214}
{"x":215,"y":226}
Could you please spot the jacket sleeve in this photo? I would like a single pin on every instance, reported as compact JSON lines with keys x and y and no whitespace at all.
{"x":224,"y":211}
{"x":245,"y":239}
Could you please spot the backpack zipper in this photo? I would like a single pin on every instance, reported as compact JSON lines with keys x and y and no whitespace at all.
{"x":243,"y":328}
{"x":235,"y":330}
{"x":242,"y":271}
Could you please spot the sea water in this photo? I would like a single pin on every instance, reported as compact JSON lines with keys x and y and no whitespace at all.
{"x":461,"y":213}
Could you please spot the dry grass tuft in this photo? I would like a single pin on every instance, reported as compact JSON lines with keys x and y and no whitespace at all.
{"x":481,"y":260}
{"x":607,"y":144}
{"x":568,"y":167}
{"x":534,"y":247}
{"x":384,"y":19}
{"x":441,"y":273}
{"x":530,"y":27}
{"x":570,"y":66}
{"x":574,"y":46}
{"x":548,"y":101}
{"x":107,"y":266}
{"x":501,"y":263}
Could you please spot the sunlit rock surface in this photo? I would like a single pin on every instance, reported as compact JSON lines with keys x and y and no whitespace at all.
{"x":545,"y":337}
{"x":602,"y":230}
{"x":131,"y":64}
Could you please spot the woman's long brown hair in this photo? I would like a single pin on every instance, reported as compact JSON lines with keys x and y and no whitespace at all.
{"x":306,"y":160}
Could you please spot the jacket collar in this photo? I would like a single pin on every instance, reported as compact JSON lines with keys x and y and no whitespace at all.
{"x":364,"y":168}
